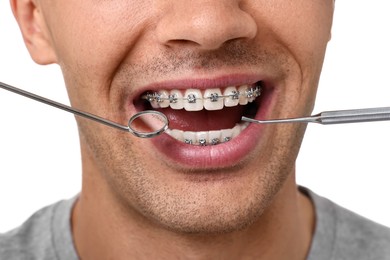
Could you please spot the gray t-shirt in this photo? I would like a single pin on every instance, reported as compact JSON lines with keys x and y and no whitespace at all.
{"x":339,"y":234}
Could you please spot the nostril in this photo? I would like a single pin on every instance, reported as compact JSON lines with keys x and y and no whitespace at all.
{"x":181,"y":42}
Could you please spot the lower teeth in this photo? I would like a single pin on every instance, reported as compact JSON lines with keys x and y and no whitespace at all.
{"x":205,"y":138}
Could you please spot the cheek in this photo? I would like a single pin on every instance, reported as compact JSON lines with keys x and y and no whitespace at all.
{"x":305,"y":30}
{"x":91,"y":38}
{"x":308,"y":36}
{"x":302,"y":26}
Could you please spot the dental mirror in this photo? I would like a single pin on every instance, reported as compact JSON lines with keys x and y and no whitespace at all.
{"x":144,"y":124}
{"x":148,"y":123}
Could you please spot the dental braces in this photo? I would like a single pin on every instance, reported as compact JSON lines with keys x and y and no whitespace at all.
{"x":203,"y":142}
{"x":208,"y":138}
{"x":250,"y":93}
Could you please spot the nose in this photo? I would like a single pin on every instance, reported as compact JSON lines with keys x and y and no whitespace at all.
{"x":206,"y":24}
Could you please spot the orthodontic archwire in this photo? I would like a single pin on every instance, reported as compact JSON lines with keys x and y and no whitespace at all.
{"x":252,"y":92}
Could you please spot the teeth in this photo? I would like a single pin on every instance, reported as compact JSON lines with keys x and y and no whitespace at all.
{"x":176,"y":99}
{"x":207,"y":137}
{"x":202,"y":138}
{"x":236,"y":131}
{"x":232,"y":97}
{"x":226,"y":135}
{"x":177,"y":134}
{"x":194,"y":100}
{"x":188,"y":137}
{"x":243,"y":99}
{"x":214,"y":137}
{"x":161,"y":99}
{"x":211,"y":99}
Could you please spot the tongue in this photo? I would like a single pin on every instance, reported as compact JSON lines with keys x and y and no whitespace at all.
{"x":204,"y":120}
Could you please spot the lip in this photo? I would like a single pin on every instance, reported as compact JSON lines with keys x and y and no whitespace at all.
{"x":224,"y":155}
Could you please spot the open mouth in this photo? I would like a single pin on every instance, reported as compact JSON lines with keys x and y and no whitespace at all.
{"x":206,"y":117}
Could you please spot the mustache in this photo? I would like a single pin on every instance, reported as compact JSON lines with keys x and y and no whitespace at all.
{"x":230,"y":55}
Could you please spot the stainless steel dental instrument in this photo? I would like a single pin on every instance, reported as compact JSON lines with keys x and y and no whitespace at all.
{"x":334,"y":117}
{"x":144,"y":124}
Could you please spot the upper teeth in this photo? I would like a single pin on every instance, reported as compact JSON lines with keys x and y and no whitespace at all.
{"x":210,"y":99}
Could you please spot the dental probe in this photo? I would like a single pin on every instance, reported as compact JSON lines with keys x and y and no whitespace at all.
{"x":155,"y":116}
{"x":334,"y":117}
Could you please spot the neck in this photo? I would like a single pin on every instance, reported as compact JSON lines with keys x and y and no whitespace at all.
{"x":104,"y":229}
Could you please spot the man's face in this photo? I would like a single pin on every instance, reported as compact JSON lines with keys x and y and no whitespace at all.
{"x":113,"y":53}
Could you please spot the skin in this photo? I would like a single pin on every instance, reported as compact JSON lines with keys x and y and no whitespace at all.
{"x":137,"y":204}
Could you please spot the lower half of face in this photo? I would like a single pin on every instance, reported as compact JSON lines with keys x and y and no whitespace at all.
{"x":193,"y":199}
{"x":191,"y":187}
{"x":210,"y":172}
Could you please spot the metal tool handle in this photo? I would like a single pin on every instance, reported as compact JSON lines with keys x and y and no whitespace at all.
{"x":62,"y":106}
{"x":354,"y":116}
{"x":333,"y":117}
{"x":129,"y":128}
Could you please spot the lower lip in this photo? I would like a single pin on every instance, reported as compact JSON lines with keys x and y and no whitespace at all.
{"x":228,"y":154}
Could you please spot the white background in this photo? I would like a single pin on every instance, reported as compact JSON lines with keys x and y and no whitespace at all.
{"x":350,"y":164}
